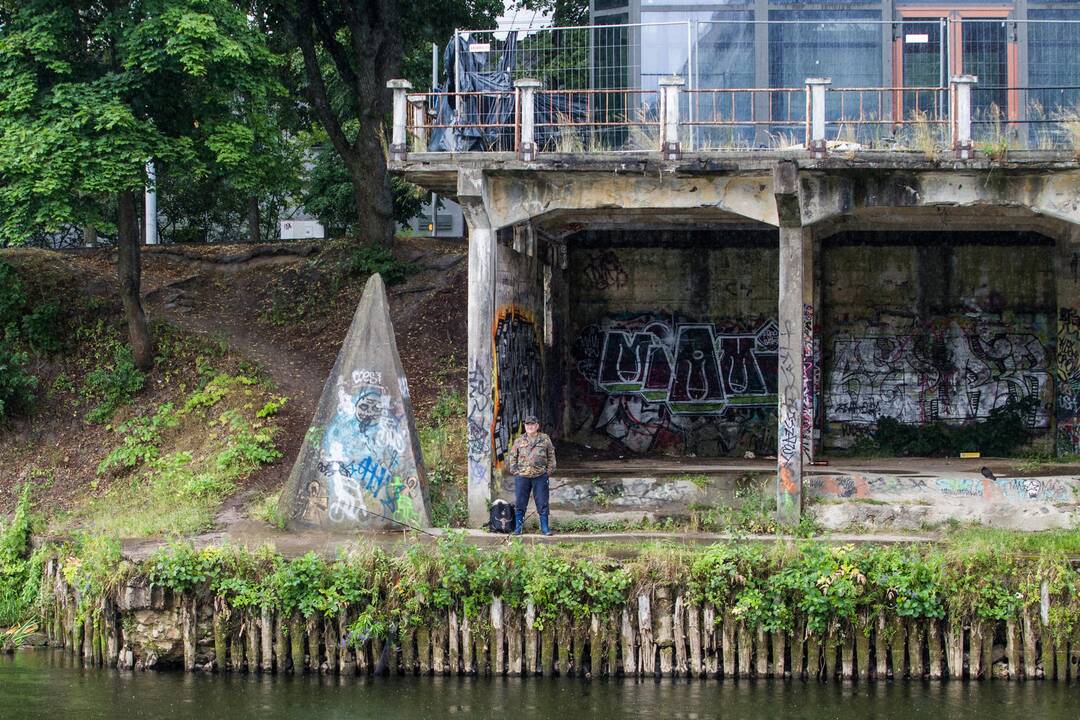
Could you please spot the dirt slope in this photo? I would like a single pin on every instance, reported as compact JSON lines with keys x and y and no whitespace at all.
{"x":284,"y":308}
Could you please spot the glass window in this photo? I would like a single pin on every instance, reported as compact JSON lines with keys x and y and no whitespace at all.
{"x":608,"y":4}
{"x":1053,"y":60}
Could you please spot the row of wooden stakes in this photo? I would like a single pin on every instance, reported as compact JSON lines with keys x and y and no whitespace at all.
{"x":655,"y":635}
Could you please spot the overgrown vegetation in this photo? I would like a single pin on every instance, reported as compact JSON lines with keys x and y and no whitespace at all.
{"x":443,"y":444}
{"x":777,"y":587}
{"x":20,"y":570}
{"x":222,"y":431}
{"x":1001,"y":434}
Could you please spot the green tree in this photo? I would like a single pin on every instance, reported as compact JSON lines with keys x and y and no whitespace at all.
{"x":90,"y":91}
{"x":349,"y":50}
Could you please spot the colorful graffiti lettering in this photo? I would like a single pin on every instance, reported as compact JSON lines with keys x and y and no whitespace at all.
{"x":363,"y":454}
{"x":518,"y":375}
{"x":946,"y":375}
{"x":651,"y":381}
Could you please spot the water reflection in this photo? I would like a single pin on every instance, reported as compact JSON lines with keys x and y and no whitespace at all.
{"x":47,"y":684}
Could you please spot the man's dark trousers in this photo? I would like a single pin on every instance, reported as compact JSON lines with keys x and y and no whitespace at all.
{"x":538,"y":487}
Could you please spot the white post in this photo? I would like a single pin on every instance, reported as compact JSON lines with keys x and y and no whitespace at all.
{"x":527,"y":88}
{"x":418,"y":104}
{"x":151,"y":204}
{"x":401,"y":90}
{"x":669,"y":116}
{"x":815,"y":94}
{"x":961,"y":114}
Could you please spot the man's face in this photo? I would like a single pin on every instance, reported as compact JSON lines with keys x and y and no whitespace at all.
{"x":532,"y":427}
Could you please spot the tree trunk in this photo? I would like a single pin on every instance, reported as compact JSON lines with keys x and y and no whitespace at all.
{"x":130,"y":274}
{"x":371,"y":185}
{"x":254,"y":230}
{"x":90,"y":238}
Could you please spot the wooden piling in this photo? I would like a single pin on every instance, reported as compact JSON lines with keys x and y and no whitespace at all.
{"x":314,"y":635}
{"x":468,"y":662}
{"x":514,"y":641}
{"x":187,"y":631}
{"x":646,"y":646}
{"x":727,"y":645}
{"x":547,"y":649}
{"x":564,"y":638}
{"x":498,"y":659}
{"x":761,"y":654}
{"x":710,"y":642}
{"x":1027,"y":671}
{"x":281,"y":647}
{"x":531,"y":640}
{"x":744,"y":649}
{"x":423,"y":649}
{"x":453,"y":637}
{"x":296,"y":643}
{"x":596,"y":647}
{"x":693,"y":630}
{"x":629,"y":642}
{"x":266,"y":638}
{"x":954,"y":648}
{"x":1012,"y":649}
{"x":330,"y":644}
{"x":682,"y":661}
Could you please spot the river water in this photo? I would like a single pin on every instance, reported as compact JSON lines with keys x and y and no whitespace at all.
{"x":48,"y":684}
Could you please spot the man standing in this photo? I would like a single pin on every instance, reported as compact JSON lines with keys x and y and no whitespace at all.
{"x":531,"y":460}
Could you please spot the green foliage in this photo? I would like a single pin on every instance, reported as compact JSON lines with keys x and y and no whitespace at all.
{"x":187,"y":82}
{"x":367,"y":260}
{"x":94,"y":568}
{"x":1001,"y":434}
{"x":40,"y":327}
{"x":142,"y":436}
{"x":272,"y":407}
{"x":180,"y":567}
{"x":774,"y":587}
{"x":113,"y":383}
{"x":442,"y":442}
{"x":17,"y":385}
{"x":18,"y":575}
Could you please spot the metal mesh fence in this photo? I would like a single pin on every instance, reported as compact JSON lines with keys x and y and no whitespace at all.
{"x":745,"y":81}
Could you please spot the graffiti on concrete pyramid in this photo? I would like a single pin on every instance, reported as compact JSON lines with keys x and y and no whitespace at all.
{"x":359,"y":467}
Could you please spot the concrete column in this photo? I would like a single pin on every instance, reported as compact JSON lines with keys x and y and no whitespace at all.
{"x":418,"y":108}
{"x":961,"y":114}
{"x":669,"y":116}
{"x":481,"y":313}
{"x":795,"y":278}
{"x":1067,"y":372}
{"x":815,"y":113}
{"x":809,"y":356}
{"x":398,"y":140}
{"x":527,"y":88}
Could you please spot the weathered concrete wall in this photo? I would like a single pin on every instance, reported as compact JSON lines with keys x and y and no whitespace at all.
{"x":673,"y":342}
{"x":518,"y":342}
{"x":935,"y":327}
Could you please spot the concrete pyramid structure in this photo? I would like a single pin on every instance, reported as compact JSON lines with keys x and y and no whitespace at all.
{"x":360,"y":466}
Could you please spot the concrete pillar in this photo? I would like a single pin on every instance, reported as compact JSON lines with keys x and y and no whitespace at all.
{"x":398,"y":139}
{"x":418,"y":108}
{"x":527,"y":88}
{"x":481,"y":313}
{"x":669,"y":116}
{"x":796,"y":280}
{"x":1067,"y":357}
{"x":961,"y":114}
{"x":815,"y":114}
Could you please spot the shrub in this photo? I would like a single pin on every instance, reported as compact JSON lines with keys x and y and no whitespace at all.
{"x":16,"y":384}
{"x":113,"y":384}
{"x":371,"y":259}
{"x":18,"y":576}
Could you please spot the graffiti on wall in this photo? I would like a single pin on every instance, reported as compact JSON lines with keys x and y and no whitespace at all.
{"x":518,"y":375}
{"x":1067,"y":391}
{"x":655,"y":381}
{"x":941,"y":374}
{"x":881,"y":487}
{"x":604,"y":271}
{"x":365,"y":461}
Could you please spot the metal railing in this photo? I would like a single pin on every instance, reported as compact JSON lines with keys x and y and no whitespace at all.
{"x":599,"y":88}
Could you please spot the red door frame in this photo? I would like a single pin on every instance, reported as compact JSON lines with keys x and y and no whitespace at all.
{"x":955,"y":17}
